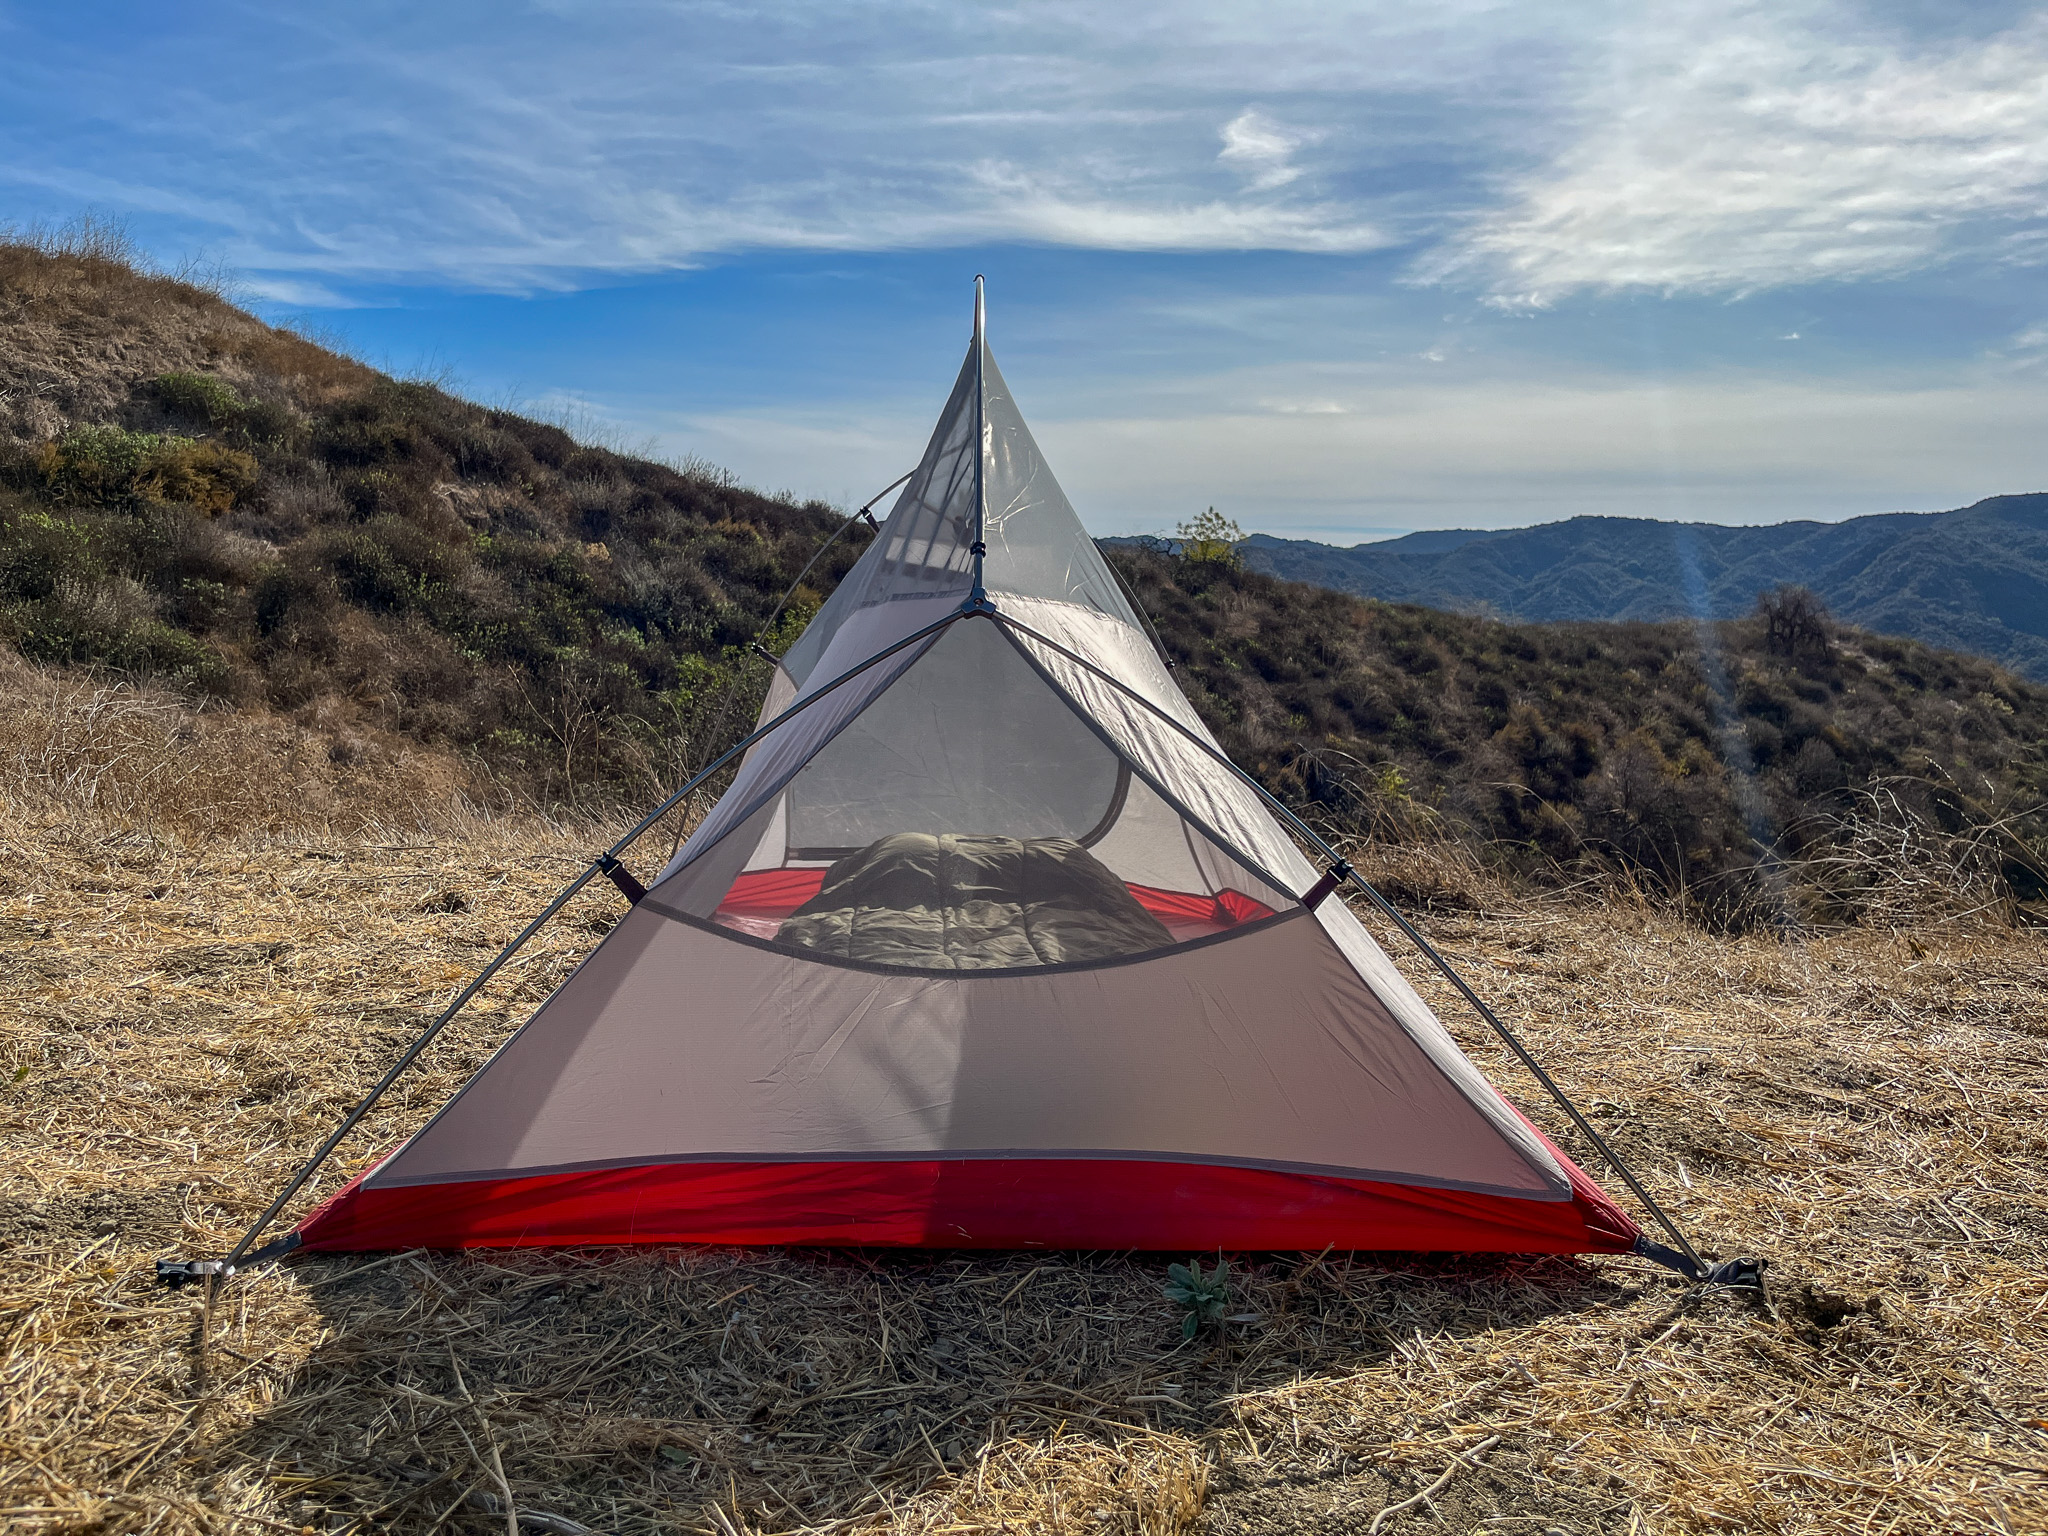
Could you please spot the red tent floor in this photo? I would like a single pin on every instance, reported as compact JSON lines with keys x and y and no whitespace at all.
{"x":966,"y":1203}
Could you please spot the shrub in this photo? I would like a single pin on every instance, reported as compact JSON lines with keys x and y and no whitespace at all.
{"x":112,"y":467}
{"x":107,"y":627}
{"x":1795,"y":623}
{"x":200,"y":396}
{"x":388,"y":565}
{"x":40,"y":553}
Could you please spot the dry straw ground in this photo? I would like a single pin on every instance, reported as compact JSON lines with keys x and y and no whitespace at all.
{"x":215,"y":933}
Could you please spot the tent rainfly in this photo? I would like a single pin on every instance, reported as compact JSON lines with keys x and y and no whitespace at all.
{"x":987,"y":945}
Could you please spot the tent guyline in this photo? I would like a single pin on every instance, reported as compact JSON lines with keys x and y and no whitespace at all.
{"x":866,"y":514}
{"x":979,"y":955}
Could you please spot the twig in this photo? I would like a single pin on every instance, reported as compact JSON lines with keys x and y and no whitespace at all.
{"x":1458,"y":1464}
{"x":497,"y":1467}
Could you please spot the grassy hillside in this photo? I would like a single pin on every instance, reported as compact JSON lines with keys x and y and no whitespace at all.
{"x":190,"y":495}
{"x":1975,"y":579}
{"x":194,"y":498}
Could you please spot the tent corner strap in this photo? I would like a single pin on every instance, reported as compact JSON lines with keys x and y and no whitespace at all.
{"x":622,"y":877}
{"x":1333,"y":877}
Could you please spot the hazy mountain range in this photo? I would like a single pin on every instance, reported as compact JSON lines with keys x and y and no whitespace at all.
{"x":1975,"y":579}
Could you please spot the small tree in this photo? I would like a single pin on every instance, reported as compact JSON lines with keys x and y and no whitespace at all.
{"x":1795,"y":623}
{"x":1210,"y":539}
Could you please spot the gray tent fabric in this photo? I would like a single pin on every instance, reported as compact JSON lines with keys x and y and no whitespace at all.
{"x":676,"y":1042}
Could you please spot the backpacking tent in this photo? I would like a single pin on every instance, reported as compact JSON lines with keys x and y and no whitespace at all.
{"x":986,"y":945}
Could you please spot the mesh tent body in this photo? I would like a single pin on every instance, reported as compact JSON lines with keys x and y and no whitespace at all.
{"x":984,"y":946}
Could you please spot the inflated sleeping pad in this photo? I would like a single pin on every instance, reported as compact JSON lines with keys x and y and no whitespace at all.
{"x":942,"y":902}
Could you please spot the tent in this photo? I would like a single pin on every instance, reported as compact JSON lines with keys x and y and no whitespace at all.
{"x":986,"y":945}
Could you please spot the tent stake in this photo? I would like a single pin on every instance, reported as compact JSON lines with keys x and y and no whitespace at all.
{"x":1698,"y":1267}
{"x":175,"y":1272}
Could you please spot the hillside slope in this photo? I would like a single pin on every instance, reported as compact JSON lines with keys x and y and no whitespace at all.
{"x":1975,"y":579}
{"x":191,"y":495}
{"x":1775,"y":765}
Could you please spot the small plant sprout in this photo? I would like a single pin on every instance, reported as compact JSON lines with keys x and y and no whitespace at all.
{"x":1204,"y":1296}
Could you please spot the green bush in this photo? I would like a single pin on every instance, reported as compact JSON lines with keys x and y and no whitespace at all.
{"x":113,"y":467}
{"x":200,"y":396}
{"x":40,"y":553}
{"x":1209,"y":538}
{"x":79,"y":630}
{"x":389,"y":566}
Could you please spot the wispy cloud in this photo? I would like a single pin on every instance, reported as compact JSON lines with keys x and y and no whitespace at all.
{"x":1261,"y":149}
{"x":1732,"y":149}
{"x":537,"y":148}
{"x":294,"y":292}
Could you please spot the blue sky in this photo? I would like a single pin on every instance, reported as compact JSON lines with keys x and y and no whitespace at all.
{"x":1339,"y":270}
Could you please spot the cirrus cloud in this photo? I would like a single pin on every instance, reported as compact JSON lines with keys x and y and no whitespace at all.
{"x":1733,"y":151}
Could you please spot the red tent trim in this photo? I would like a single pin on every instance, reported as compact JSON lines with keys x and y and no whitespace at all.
{"x":965,"y":1203}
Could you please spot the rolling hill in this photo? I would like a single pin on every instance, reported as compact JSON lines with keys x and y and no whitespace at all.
{"x":1975,"y":579}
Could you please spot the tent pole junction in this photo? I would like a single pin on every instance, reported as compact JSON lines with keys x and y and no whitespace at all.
{"x":176,"y":1272}
{"x":1685,"y":1259}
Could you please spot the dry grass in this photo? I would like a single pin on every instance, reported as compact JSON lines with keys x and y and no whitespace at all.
{"x":105,"y":752}
{"x":189,"y":1002}
{"x":83,"y":317}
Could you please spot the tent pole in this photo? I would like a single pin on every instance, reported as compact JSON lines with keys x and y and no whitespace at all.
{"x":603,"y":864}
{"x":979,"y":598}
{"x":1436,"y":958}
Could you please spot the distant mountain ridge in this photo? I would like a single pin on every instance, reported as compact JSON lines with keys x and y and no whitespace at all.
{"x":1975,"y":579}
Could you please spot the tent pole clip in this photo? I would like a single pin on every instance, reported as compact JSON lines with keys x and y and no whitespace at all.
{"x":1333,"y":877}
{"x":864,"y":512}
{"x":622,"y":877}
{"x":763,"y":652}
